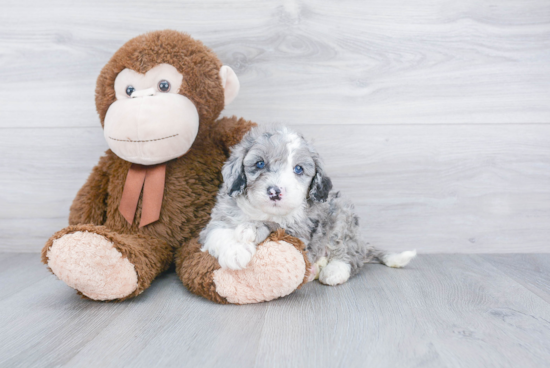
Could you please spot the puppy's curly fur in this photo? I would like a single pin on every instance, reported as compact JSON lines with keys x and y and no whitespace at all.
{"x":275,"y":178}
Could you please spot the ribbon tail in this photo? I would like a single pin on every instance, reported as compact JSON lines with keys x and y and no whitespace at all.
{"x":131,"y":192}
{"x":153,"y":192}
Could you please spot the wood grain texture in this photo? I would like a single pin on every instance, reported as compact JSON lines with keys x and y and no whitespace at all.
{"x":441,"y":311}
{"x":431,"y":115}
{"x":530,"y":270}
{"x":435,"y":188}
{"x":302,"y":62}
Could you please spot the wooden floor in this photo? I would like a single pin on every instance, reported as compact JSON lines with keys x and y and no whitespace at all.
{"x":442,"y":311}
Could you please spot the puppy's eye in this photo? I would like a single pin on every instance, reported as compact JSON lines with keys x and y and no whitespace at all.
{"x":164,"y":86}
{"x":298,"y":169}
{"x":260,"y":164}
{"x":130,"y":90}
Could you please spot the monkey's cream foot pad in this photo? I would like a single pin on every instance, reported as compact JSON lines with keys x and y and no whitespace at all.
{"x":90,"y":263}
{"x":276,"y":270}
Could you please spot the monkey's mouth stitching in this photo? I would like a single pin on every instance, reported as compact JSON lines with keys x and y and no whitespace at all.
{"x":148,"y":140}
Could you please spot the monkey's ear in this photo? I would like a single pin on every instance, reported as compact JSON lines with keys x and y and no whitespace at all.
{"x":230,"y":84}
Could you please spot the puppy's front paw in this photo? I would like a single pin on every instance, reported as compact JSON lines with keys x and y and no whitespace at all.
{"x":245,"y":233}
{"x":335,"y":272}
{"x":236,"y":255}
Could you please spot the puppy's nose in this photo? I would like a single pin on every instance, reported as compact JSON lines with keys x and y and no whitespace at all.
{"x":274,"y":193}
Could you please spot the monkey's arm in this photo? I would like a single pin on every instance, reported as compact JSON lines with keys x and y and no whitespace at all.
{"x":230,"y":131}
{"x":89,"y":205}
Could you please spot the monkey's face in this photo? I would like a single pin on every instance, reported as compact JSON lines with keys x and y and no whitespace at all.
{"x":156,"y":93}
{"x":150,"y":122}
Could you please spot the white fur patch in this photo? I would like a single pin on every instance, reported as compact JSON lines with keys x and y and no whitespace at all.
{"x":252,"y":213}
{"x":245,"y":233}
{"x":294,"y":191}
{"x":335,"y":272}
{"x":233,"y":248}
{"x":292,"y":146}
{"x":398,"y":260}
{"x":317,"y":267}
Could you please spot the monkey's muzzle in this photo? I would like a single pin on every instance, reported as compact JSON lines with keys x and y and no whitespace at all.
{"x":151,"y":127}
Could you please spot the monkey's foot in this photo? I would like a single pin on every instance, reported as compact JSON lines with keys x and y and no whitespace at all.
{"x":279,"y":266}
{"x":276,"y":270}
{"x":91,"y":264}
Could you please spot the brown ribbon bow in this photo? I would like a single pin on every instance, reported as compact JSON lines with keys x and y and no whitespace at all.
{"x":151,"y":179}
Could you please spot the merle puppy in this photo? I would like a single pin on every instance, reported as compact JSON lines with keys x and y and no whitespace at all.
{"x":274,"y":178}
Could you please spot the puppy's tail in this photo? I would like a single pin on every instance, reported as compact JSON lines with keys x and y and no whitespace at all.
{"x":395,"y":260}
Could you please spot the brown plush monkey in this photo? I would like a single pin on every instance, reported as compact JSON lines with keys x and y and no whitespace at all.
{"x":146,"y":201}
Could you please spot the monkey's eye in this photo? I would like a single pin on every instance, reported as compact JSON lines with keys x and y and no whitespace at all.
{"x":298,"y":169}
{"x":260,"y":164}
{"x":164,"y":86}
{"x":130,"y":90}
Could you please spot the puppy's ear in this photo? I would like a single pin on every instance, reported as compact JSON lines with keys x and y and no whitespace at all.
{"x":321,"y":184}
{"x":234,"y":178}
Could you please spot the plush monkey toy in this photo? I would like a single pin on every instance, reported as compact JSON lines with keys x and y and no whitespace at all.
{"x":144,"y":204}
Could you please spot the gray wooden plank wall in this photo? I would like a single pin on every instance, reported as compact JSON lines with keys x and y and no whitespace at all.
{"x":432,"y":115}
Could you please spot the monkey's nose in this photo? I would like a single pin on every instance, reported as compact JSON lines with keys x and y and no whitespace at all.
{"x":274,"y":193}
{"x":144,"y":92}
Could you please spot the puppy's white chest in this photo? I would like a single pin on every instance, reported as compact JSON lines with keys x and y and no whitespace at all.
{"x":289,"y":221}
